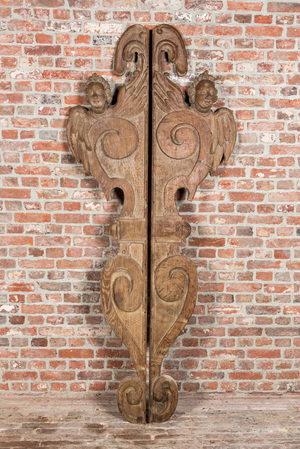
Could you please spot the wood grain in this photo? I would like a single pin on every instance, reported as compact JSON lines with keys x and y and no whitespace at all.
{"x":112,"y":143}
{"x":188,"y":143}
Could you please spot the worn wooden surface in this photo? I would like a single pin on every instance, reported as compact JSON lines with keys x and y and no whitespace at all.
{"x":175,"y":152}
{"x":188,"y":142}
{"x":200,"y":422}
{"x":112,"y":143}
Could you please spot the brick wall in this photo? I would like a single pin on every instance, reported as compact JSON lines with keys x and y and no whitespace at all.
{"x":244,"y":335}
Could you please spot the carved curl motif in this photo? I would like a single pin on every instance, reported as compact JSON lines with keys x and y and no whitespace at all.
{"x":188,"y":142}
{"x":179,"y":141}
{"x":131,"y":400}
{"x":164,"y":399}
{"x":117,"y":138}
{"x":123,"y":276}
{"x":173,"y":278}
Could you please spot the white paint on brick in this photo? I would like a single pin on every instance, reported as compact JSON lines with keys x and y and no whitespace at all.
{"x":24,"y":75}
{"x":6,"y":308}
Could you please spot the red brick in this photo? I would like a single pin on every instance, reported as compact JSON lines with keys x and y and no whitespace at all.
{"x":20,"y":375}
{"x":248,"y":375}
{"x":37,"y":308}
{"x":43,"y":39}
{"x":10,"y":134}
{"x":63,"y":74}
{"x":293,"y":32}
{"x":223,"y":30}
{"x":7,"y":50}
{"x":71,"y":218}
{"x":32,"y":218}
{"x":57,"y":375}
{"x":245,"y":6}
{"x":44,"y":264}
{"x":263,"y":19}
{"x":283,"y":55}
{"x":97,"y":386}
{"x":289,"y":7}
{"x":264,"y":353}
{"x":41,"y":50}
{"x":91,"y":242}
{"x":38,"y":353}
{"x":58,"y":386}
{"x":83,"y":51}
{"x":5,"y":353}
{"x":246,"y":55}
{"x":274,"y":31}
{"x":206,"y":5}
{"x":76,"y":353}
{"x":206,"y":242}
{"x":24,"y":25}
{"x":61,"y":14}
{"x":74,"y":264}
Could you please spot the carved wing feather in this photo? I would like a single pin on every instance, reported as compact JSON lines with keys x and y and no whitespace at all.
{"x":167,"y":94}
{"x":224,"y":136}
{"x":77,"y":136}
{"x":132,"y":97}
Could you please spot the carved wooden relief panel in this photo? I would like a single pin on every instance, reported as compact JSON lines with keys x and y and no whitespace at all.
{"x":112,"y":143}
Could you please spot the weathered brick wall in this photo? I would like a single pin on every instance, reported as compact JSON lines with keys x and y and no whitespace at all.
{"x":244,"y":335}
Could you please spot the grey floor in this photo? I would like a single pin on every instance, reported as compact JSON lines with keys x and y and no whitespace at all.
{"x":200,"y":422}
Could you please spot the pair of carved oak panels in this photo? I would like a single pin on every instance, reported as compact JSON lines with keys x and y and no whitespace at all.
{"x":150,"y":144}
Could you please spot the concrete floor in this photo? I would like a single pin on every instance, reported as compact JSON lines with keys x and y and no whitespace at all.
{"x":200,"y":422}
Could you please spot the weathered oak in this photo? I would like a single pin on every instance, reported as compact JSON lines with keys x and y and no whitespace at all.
{"x":112,"y":143}
{"x":188,"y":142}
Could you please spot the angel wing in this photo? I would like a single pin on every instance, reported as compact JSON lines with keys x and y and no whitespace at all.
{"x":77,"y":134}
{"x":133,"y":96}
{"x":168,"y":96}
{"x":223,"y":137}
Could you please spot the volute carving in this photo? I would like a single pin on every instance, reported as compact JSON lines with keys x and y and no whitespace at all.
{"x":112,"y":143}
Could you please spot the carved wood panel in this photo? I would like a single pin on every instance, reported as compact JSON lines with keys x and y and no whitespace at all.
{"x":112,"y":142}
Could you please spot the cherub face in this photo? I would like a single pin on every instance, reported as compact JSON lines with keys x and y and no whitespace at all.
{"x":206,"y":95}
{"x":95,"y":95}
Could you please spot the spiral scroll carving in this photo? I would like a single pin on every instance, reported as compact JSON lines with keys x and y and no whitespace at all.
{"x":116,"y":137}
{"x":176,"y":290}
{"x":126,"y":281}
{"x":185,"y":137}
{"x":164,"y":399}
{"x":171,"y":284}
{"x":121,"y":285}
{"x":178,"y":139}
{"x":131,"y":400}
{"x":179,"y":135}
{"x":173,"y":277}
{"x":122,"y":295}
{"x":113,"y":139}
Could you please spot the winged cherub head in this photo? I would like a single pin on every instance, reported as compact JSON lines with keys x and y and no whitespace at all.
{"x":98,"y":93}
{"x":203,"y":92}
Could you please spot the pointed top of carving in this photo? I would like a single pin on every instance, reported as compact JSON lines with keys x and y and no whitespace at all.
{"x":168,"y":40}
{"x":134,"y":40}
